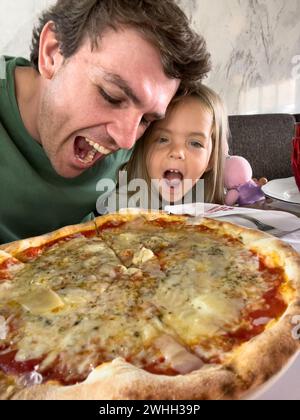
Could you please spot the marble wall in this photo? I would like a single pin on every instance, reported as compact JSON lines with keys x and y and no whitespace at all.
{"x":255,"y":47}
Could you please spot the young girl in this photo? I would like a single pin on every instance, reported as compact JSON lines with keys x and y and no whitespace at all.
{"x":188,"y":145}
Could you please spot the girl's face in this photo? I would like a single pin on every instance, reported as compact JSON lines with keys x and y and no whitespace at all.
{"x":179,"y":148}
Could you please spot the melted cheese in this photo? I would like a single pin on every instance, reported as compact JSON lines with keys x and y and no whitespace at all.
{"x":81,"y":306}
{"x":3,"y":328}
{"x":179,"y":358}
{"x":142,"y":256}
{"x":40,"y":301}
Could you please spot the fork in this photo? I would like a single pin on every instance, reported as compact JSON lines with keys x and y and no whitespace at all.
{"x":263,"y":226}
{"x":260,"y":225}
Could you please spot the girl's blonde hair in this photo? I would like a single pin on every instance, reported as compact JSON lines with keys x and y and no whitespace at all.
{"x":213,"y":178}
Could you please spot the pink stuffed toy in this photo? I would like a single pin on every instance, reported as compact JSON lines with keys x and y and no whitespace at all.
{"x":241,"y":189}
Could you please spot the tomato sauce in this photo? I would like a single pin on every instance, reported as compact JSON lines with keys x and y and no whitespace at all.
{"x":8,"y":364}
{"x":111,"y":225}
{"x":274,"y":306}
{"x":165,"y":224}
{"x":31,"y":254}
{"x":157,"y":367}
{"x":5,"y":266}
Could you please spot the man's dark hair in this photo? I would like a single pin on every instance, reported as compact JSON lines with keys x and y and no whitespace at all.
{"x":162,"y":22}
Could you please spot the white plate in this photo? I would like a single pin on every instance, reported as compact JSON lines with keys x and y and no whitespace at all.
{"x":283,"y":189}
{"x":285,"y":385}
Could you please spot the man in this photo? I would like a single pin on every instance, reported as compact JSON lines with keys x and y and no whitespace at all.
{"x":100,"y":73}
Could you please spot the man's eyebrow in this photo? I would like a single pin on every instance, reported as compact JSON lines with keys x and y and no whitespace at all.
{"x":123,"y":85}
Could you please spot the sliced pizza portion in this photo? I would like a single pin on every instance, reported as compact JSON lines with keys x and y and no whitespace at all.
{"x":217,"y":294}
{"x":74,"y":306}
{"x":136,"y":242}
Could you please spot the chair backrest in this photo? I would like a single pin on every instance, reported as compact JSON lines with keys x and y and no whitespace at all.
{"x":265,"y":140}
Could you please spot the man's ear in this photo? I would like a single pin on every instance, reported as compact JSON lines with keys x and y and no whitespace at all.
{"x":50,"y":57}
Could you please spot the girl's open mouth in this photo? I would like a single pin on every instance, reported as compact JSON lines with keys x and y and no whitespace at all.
{"x":173,"y":178}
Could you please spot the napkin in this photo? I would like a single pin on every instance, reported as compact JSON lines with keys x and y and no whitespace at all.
{"x":279,"y":219}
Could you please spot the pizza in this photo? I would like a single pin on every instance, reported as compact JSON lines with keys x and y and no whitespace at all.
{"x":146,"y":306}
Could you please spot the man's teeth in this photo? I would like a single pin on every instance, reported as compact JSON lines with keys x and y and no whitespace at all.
{"x":97,"y":147}
{"x":89,"y":157}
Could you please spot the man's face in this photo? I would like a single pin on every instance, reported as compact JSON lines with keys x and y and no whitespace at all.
{"x":99,"y":101}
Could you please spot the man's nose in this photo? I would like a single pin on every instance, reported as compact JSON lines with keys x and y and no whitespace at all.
{"x":125,"y":132}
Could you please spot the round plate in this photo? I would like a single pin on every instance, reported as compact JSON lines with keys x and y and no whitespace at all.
{"x":283,"y":189}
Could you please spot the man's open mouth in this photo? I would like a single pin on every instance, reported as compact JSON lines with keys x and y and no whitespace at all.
{"x":173,"y":178}
{"x":86,"y":151}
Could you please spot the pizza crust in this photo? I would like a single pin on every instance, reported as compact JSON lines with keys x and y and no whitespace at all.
{"x":14,"y":248}
{"x":119,"y":380}
{"x":250,"y":365}
{"x":4,"y":256}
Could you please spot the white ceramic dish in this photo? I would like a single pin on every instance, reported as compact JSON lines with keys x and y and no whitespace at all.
{"x":283,"y":189}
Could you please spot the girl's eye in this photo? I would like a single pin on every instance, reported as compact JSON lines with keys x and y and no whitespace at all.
{"x":162,"y":140}
{"x":196,"y":144}
{"x":108,"y":98}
